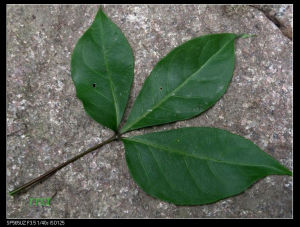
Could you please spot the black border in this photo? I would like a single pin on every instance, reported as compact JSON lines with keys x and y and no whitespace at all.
{"x":91,"y":222}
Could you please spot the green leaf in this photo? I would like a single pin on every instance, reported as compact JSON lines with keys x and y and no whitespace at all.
{"x":186,"y":82}
{"x":193,"y":166}
{"x":102,"y":69}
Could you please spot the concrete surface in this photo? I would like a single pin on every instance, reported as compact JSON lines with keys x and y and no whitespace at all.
{"x":46,"y":123}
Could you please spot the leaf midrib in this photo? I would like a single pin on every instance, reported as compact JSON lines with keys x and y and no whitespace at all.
{"x":108,"y":71}
{"x":144,"y":142}
{"x":175,"y":90}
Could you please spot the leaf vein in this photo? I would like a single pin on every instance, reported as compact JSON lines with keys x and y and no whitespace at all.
{"x":191,"y":176}
{"x":109,"y":73}
{"x":194,"y":155}
{"x":140,"y":160}
{"x":159,"y":167}
{"x":176,"y":89}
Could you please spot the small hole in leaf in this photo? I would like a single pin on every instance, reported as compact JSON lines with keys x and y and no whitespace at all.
{"x":94,"y":85}
{"x":161,"y":88}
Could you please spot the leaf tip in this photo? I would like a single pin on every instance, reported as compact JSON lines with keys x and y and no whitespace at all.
{"x":285,"y":171}
{"x":245,"y":36}
{"x":100,"y":11}
{"x":289,"y":173}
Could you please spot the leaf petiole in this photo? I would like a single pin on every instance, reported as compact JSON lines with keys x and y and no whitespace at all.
{"x":54,"y":170}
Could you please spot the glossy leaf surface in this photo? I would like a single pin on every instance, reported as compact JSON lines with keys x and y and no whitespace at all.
{"x":102,"y":69}
{"x":193,"y":166}
{"x":186,"y":82}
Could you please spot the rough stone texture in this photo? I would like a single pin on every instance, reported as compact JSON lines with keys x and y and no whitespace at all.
{"x":46,"y":123}
{"x":281,"y":15}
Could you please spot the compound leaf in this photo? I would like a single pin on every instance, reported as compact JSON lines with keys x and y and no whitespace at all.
{"x":193,"y":166}
{"x":102,"y":69}
{"x":186,"y":82}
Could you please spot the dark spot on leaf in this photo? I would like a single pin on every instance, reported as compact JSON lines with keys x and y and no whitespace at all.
{"x":161,"y":88}
{"x":33,"y":16}
{"x":94,"y":85}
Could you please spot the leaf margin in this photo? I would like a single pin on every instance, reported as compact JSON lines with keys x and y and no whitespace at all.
{"x":119,"y":115}
{"x":125,"y":128}
{"x":129,"y":139}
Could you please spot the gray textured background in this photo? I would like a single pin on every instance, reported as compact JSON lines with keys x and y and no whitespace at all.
{"x":46,"y":123}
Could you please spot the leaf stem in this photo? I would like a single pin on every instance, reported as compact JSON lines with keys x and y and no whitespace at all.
{"x":54,"y":170}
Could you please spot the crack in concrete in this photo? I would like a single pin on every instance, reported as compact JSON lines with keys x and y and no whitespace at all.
{"x":286,"y":31}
